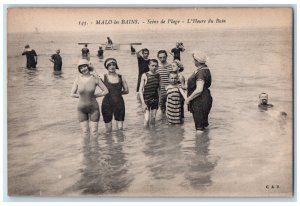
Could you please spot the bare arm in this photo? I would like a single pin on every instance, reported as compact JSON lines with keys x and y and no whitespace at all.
{"x":182,"y":93}
{"x":171,"y":54}
{"x":182,"y":48}
{"x":141,"y":91}
{"x":51,"y":60}
{"x":74,"y":89}
{"x":197,"y":92}
{"x":138,"y":54}
{"x":36,"y":56}
{"x":102,"y":86}
{"x":182,"y":81}
{"x":125,"y":87}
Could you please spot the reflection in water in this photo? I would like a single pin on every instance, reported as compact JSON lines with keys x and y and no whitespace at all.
{"x":30,"y":74}
{"x":201,"y":166}
{"x":57,"y":74}
{"x":105,"y":166}
{"x":163,"y":151}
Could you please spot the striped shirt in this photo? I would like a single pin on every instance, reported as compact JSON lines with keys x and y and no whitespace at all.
{"x":164,"y":71}
{"x":173,"y":105}
{"x":151,"y":87}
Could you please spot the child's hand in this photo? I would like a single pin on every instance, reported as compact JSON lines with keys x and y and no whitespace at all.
{"x":144,"y":106}
{"x":187,"y":101}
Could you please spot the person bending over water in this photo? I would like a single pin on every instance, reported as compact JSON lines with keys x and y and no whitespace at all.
{"x":113,"y":103}
{"x":84,"y":88}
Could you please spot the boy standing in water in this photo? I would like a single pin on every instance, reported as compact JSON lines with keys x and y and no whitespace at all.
{"x":143,"y":63}
{"x":164,"y":68}
{"x":173,"y":105}
{"x":149,"y":88}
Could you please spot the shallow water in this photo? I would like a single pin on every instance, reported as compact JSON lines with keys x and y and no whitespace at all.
{"x":242,"y":152}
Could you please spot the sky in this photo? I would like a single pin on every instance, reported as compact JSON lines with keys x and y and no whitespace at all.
{"x":85,"y":19}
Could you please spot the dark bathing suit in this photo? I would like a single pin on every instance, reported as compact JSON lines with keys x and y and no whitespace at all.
{"x":201,"y":105}
{"x":176,"y":52}
{"x":57,"y":62}
{"x":85,"y":51}
{"x":30,"y":58}
{"x":113,"y":102}
{"x":150,"y":91}
{"x":143,"y":68}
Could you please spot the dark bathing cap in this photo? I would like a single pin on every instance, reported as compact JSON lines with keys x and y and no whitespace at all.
{"x":110,"y":60}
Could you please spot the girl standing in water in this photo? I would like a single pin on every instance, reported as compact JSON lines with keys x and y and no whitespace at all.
{"x":84,"y":88}
{"x":113,"y":103}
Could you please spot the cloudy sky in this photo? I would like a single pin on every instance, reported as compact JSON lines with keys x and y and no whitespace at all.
{"x":85,"y":19}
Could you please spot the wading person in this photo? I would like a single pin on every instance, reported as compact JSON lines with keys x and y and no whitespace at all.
{"x":176,"y":51}
{"x":31,"y":57}
{"x":149,"y":90}
{"x":143,"y":63}
{"x":178,"y":68}
{"x":100,"y":53}
{"x":263,"y":102}
{"x":164,"y":68}
{"x":57,"y":61}
{"x":84,"y":88}
{"x":85,"y":52}
{"x":174,"y":99}
{"x":113,"y":103}
{"x":199,"y":98}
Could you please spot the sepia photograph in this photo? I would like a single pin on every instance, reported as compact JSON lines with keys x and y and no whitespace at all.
{"x":150,"y":102}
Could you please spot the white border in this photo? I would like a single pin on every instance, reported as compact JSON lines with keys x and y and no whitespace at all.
{"x":80,"y":201}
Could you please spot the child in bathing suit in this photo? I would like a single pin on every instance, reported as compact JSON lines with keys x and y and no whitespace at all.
{"x":173,"y":104}
{"x":149,"y":89}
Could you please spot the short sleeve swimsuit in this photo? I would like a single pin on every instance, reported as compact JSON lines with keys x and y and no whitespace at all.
{"x":30,"y":58}
{"x":201,"y":105}
{"x":57,"y":62}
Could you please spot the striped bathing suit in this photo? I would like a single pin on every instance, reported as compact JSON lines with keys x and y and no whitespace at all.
{"x":173,"y":105}
{"x":164,"y":82}
{"x":151,"y":91}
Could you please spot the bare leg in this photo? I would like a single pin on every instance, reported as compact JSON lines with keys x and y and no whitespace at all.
{"x":108,"y":127}
{"x":153,"y":116}
{"x":199,"y":132}
{"x":94,"y":129}
{"x":85,"y":129}
{"x":146,"y":118}
{"x":119,"y":125}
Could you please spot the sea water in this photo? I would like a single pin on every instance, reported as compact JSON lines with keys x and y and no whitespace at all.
{"x":244,"y":152}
